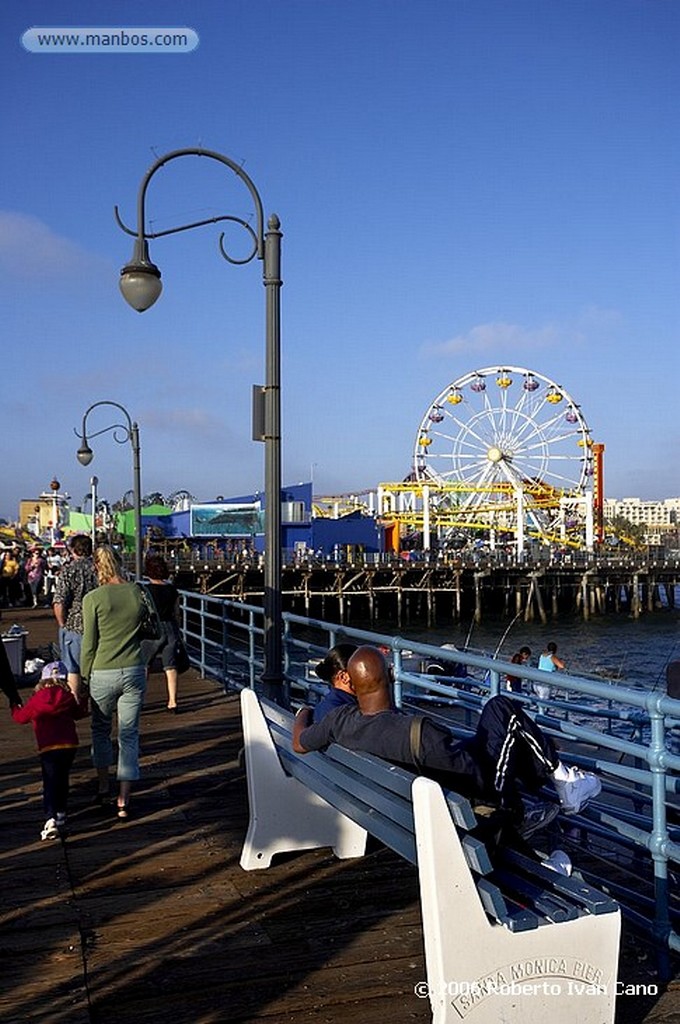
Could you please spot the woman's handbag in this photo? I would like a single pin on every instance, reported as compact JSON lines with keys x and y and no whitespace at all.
{"x":181,"y":658}
{"x":151,"y":630}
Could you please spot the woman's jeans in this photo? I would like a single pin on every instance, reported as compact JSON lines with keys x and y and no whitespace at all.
{"x":120,"y":690}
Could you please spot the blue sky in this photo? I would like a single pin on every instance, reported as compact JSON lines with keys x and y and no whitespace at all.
{"x":461,"y":184}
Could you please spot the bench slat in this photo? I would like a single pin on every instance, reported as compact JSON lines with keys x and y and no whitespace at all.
{"x":572,"y":888}
{"x":389,"y":832}
{"x":388,"y":806}
{"x":516,"y":918}
{"x":400,"y":780}
{"x":395,"y":778}
{"x":388,"y":776}
{"x":544,"y":903}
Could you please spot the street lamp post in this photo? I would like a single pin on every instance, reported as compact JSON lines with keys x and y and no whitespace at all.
{"x":140,"y":284}
{"x":94,"y":481}
{"x":130,"y":432}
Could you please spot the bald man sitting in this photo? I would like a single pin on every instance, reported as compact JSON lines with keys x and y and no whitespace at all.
{"x":507,"y":749}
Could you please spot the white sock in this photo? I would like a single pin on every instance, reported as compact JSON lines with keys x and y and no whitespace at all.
{"x":561,"y":773}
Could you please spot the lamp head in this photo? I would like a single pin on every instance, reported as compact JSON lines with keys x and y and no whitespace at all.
{"x":84,"y":454}
{"x":140,"y":279}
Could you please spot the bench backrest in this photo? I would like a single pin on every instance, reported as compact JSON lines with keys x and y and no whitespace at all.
{"x":376,"y":795}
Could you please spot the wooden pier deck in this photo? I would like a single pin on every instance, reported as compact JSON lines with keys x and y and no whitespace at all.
{"x":152,"y":921}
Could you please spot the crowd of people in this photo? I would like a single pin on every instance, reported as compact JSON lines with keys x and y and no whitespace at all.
{"x":28,"y":575}
{"x":103,"y":624}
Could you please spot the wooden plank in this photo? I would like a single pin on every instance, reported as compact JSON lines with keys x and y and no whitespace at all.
{"x":165,"y":928}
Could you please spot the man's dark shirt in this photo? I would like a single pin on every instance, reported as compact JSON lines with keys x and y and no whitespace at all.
{"x":388,"y":735}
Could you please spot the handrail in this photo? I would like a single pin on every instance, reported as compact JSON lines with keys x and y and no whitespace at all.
{"x":225,"y":641}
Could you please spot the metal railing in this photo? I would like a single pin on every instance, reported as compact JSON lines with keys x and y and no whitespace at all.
{"x":203,"y":557}
{"x":628,"y":735}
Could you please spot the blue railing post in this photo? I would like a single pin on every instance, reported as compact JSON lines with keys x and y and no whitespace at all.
{"x":396,"y":657}
{"x":225,"y":642}
{"x":203,"y":639}
{"x":251,"y":650}
{"x":285,"y":682}
{"x":658,"y":842}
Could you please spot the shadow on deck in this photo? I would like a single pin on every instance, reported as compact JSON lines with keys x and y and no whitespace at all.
{"x":154,"y":921}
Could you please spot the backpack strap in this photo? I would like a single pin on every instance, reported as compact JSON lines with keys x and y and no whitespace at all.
{"x":415,"y":738}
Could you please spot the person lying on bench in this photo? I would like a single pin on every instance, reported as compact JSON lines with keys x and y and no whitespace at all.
{"x":508,"y":749}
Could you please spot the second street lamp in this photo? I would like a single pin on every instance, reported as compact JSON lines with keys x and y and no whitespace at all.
{"x":140,"y":284}
{"x":130,"y":432}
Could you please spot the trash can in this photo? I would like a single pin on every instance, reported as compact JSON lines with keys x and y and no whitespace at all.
{"x":15,"y":649}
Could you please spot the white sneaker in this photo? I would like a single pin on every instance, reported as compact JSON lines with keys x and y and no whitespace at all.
{"x":576,"y":790}
{"x":559,"y":861}
{"x":50,"y":830}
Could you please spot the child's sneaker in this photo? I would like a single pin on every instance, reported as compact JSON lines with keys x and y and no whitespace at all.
{"x":50,"y":830}
{"x":577,"y":789}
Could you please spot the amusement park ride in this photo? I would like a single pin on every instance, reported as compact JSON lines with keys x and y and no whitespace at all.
{"x":507,"y":451}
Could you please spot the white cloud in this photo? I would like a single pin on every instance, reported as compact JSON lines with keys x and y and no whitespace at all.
{"x":506,"y":340}
{"x":30,"y":250}
{"x":186,"y":421}
{"x":600,"y":319}
{"x":499,"y":336}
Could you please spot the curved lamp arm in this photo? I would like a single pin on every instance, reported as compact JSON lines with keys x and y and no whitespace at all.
{"x":85,"y":453}
{"x":131,"y":434}
{"x":140,"y":280}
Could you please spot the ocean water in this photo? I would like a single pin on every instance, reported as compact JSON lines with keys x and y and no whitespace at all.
{"x":631,"y":651}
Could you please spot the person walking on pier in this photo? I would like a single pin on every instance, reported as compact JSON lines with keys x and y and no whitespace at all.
{"x":35,"y":573}
{"x":53,"y":710}
{"x":113,"y":662}
{"x":75,"y":580}
{"x":507,"y":750}
{"x":11,"y":566}
{"x":165,"y":597}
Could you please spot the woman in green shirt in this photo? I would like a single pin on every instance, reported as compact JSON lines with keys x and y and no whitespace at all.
{"x":112,"y":660}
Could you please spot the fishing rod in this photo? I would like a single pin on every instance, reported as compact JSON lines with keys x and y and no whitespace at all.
{"x":505,"y":634}
{"x":664,"y":668}
{"x":662,"y":671}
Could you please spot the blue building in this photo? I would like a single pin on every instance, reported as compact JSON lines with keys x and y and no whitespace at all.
{"x":239,"y":521}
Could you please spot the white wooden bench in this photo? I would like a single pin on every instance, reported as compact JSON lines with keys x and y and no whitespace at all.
{"x":514,"y":943}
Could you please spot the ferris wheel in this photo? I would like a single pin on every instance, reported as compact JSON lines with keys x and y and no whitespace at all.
{"x":500,"y":430}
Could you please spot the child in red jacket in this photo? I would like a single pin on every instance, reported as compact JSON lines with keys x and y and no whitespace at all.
{"x":53,"y":710}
